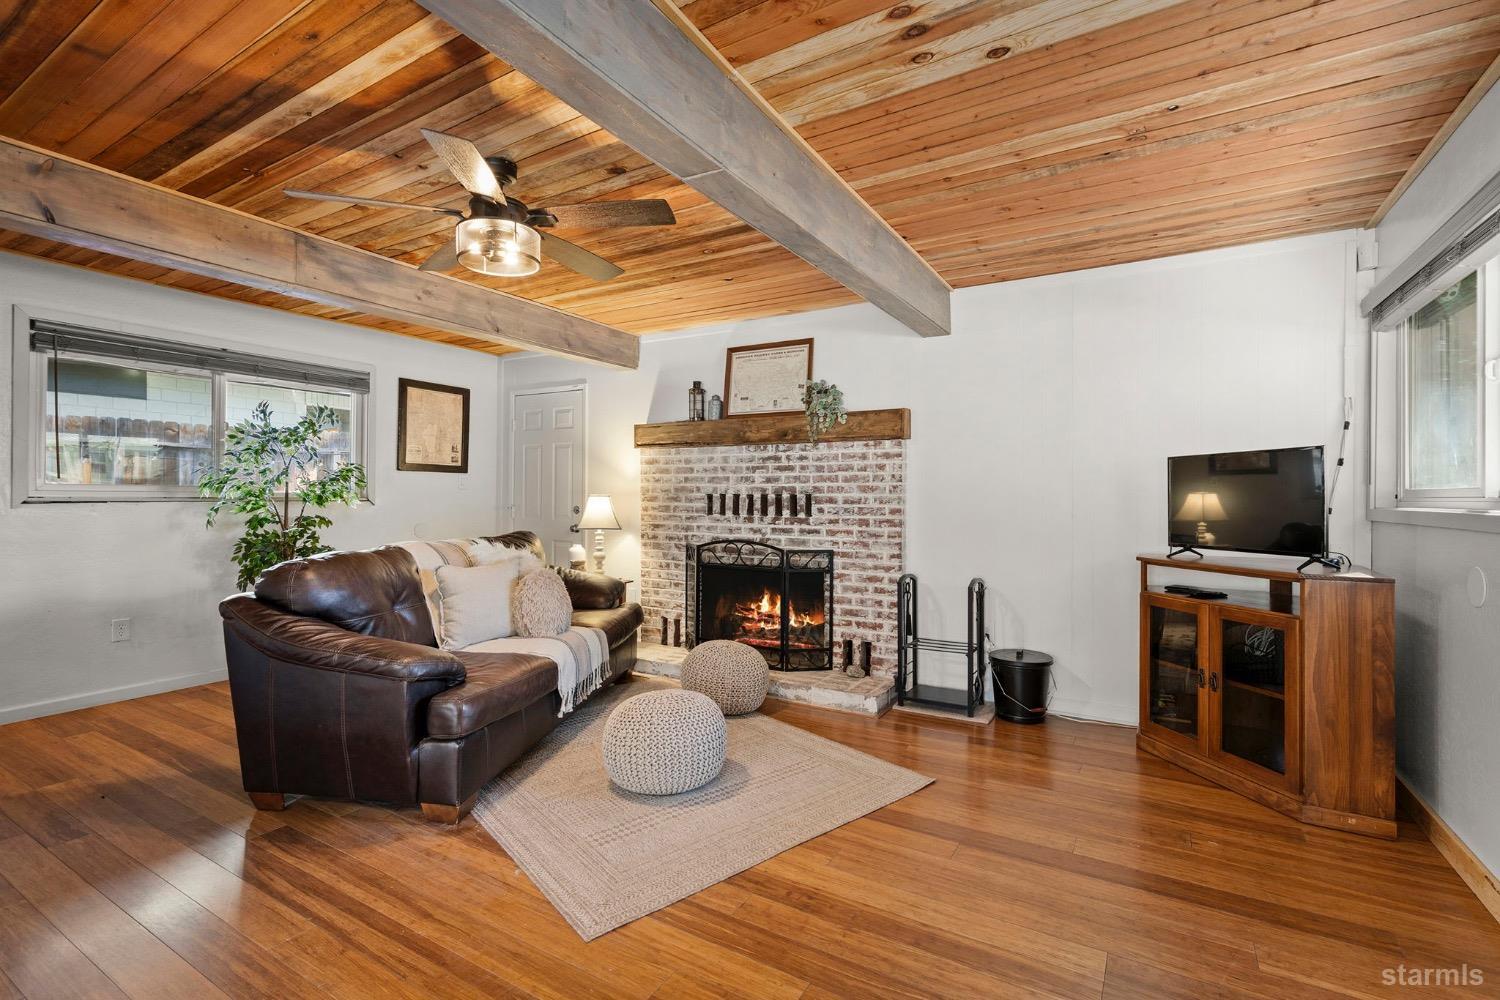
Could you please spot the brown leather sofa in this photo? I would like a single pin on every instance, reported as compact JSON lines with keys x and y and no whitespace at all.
{"x":340,"y":690}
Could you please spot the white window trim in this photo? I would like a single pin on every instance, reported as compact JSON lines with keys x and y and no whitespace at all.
{"x":1389,"y":502}
{"x":28,"y":407}
{"x":1487,"y":494}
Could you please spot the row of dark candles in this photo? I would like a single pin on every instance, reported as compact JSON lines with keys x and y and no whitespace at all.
{"x":799,"y":504}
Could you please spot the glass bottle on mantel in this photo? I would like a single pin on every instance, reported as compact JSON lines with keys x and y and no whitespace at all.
{"x":695,"y":401}
{"x":715,"y":407}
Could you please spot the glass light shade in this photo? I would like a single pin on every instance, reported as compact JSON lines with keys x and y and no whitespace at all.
{"x":1201,"y":507}
{"x":599,"y":513}
{"x":499,"y":247}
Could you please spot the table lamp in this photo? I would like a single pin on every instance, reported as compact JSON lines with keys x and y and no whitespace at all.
{"x":599,"y":517}
{"x":1202,"y":507}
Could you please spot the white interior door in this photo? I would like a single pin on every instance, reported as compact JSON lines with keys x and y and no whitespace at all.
{"x":547,"y":461}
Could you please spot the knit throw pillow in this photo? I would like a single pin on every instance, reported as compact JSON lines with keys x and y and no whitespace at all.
{"x":540,"y":604}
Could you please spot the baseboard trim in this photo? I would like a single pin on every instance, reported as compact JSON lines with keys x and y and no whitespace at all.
{"x":71,"y":703}
{"x":1476,"y":876}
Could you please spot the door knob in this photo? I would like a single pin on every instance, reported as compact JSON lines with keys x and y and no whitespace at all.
{"x":573,"y":527}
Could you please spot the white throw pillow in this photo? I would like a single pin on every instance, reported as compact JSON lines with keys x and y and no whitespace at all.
{"x":485,"y":552}
{"x":474,"y":602}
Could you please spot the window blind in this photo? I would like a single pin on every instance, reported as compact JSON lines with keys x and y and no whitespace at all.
{"x":64,"y":338}
{"x":1432,"y":275}
{"x":1468,"y":238}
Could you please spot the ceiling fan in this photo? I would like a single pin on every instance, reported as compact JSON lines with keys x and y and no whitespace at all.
{"x":502,"y":236}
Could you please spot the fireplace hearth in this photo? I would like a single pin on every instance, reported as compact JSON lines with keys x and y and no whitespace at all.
{"x":779,"y":601}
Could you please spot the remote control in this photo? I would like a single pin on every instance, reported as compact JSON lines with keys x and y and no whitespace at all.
{"x":1199,"y":592}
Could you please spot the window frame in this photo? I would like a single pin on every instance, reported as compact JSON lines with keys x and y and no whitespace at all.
{"x":1486,"y":496}
{"x":29,"y":403}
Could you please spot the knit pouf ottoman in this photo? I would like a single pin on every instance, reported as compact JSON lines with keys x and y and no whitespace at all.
{"x":733,"y":674}
{"x":664,"y":742}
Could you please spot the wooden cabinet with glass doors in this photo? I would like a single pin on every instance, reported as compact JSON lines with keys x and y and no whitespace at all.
{"x":1282,"y":691}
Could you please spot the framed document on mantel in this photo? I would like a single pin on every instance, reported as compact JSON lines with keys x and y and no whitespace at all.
{"x":432,"y":427}
{"x":767,"y":378}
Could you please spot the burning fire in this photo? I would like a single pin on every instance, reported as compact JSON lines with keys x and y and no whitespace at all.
{"x":762,"y":619}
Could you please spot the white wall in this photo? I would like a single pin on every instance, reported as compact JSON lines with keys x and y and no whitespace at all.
{"x":1041,"y":427}
{"x":66,"y":570}
{"x":1447,"y":671}
{"x":1469,"y":158}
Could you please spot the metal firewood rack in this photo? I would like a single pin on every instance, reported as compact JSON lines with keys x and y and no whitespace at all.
{"x":909,"y":643}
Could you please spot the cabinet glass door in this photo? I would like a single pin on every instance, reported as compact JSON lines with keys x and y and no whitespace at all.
{"x":1173,"y":670}
{"x":1252,"y":709}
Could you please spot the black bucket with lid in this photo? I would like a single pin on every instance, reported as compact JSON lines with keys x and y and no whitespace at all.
{"x":1022,"y":679}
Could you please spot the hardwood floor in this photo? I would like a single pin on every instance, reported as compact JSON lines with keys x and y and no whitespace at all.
{"x":1044,"y":861}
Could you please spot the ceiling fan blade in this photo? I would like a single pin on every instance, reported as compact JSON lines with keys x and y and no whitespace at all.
{"x":614,"y":214}
{"x":590,"y":265}
{"x":349,"y":199}
{"x":444,"y":258}
{"x":463,"y":158}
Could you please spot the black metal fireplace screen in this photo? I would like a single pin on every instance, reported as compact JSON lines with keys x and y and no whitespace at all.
{"x":778,"y":600}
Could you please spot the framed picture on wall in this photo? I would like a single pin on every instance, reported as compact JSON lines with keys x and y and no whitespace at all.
{"x":767,"y":378}
{"x":432,"y":427}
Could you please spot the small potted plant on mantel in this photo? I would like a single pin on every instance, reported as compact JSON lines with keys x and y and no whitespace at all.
{"x":824,"y":403}
{"x":267,"y":473}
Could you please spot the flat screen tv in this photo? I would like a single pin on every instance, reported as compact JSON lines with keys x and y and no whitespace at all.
{"x":1249,"y":501}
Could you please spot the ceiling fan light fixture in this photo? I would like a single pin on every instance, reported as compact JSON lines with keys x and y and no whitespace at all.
{"x":498,"y":247}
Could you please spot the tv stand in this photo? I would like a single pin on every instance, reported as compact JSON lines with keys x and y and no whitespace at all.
{"x":1185,"y":550}
{"x":1282,"y":691}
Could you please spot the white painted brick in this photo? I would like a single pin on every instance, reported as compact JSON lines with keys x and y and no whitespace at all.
{"x":858,"y":504}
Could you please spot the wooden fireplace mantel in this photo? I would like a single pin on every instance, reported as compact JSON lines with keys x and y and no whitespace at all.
{"x":773,"y":428}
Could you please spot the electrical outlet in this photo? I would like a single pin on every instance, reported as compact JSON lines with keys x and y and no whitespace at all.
{"x":119,"y":630}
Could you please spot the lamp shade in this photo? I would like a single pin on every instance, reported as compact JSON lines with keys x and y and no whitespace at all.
{"x":599,"y":514}
{"x":498,"y":246}
{"x":1201,"y":507}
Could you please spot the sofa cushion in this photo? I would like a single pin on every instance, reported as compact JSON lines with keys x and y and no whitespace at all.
{"x":376,"y":592}
{"x":618,"y":624}
{"x":497,"y":685}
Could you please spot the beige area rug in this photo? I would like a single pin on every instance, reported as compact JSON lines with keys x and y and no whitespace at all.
{"x":605,"y":856}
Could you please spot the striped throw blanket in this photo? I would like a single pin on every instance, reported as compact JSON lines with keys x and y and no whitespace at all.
{"x":581,"y":655}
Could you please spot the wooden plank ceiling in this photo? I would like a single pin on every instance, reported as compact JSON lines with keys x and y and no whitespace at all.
{"x":1002,"y":138}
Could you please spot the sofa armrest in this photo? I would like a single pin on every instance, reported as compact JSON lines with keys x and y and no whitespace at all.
{"x":592,"y":591}
{"x":316,"y":643}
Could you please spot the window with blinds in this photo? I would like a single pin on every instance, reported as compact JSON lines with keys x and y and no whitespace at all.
{"x":120,"y":416}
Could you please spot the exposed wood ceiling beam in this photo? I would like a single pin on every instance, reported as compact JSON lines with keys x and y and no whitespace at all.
{"x":646,"y":75}
{"x":1474,"y":96}
{"x":54,"y":197}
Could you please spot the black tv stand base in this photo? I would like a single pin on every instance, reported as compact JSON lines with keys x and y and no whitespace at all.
{"x":1328,"y":561}
{"x":1185,"y":550}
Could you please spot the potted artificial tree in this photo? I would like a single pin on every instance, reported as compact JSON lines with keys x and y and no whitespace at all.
{"x":276,"y":479}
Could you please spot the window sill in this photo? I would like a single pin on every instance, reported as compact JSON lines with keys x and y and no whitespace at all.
{"x":111,"y":498}
{"x":1435,"y":517}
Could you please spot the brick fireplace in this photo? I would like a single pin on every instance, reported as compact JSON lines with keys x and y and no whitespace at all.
{"x":844,"y":497}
